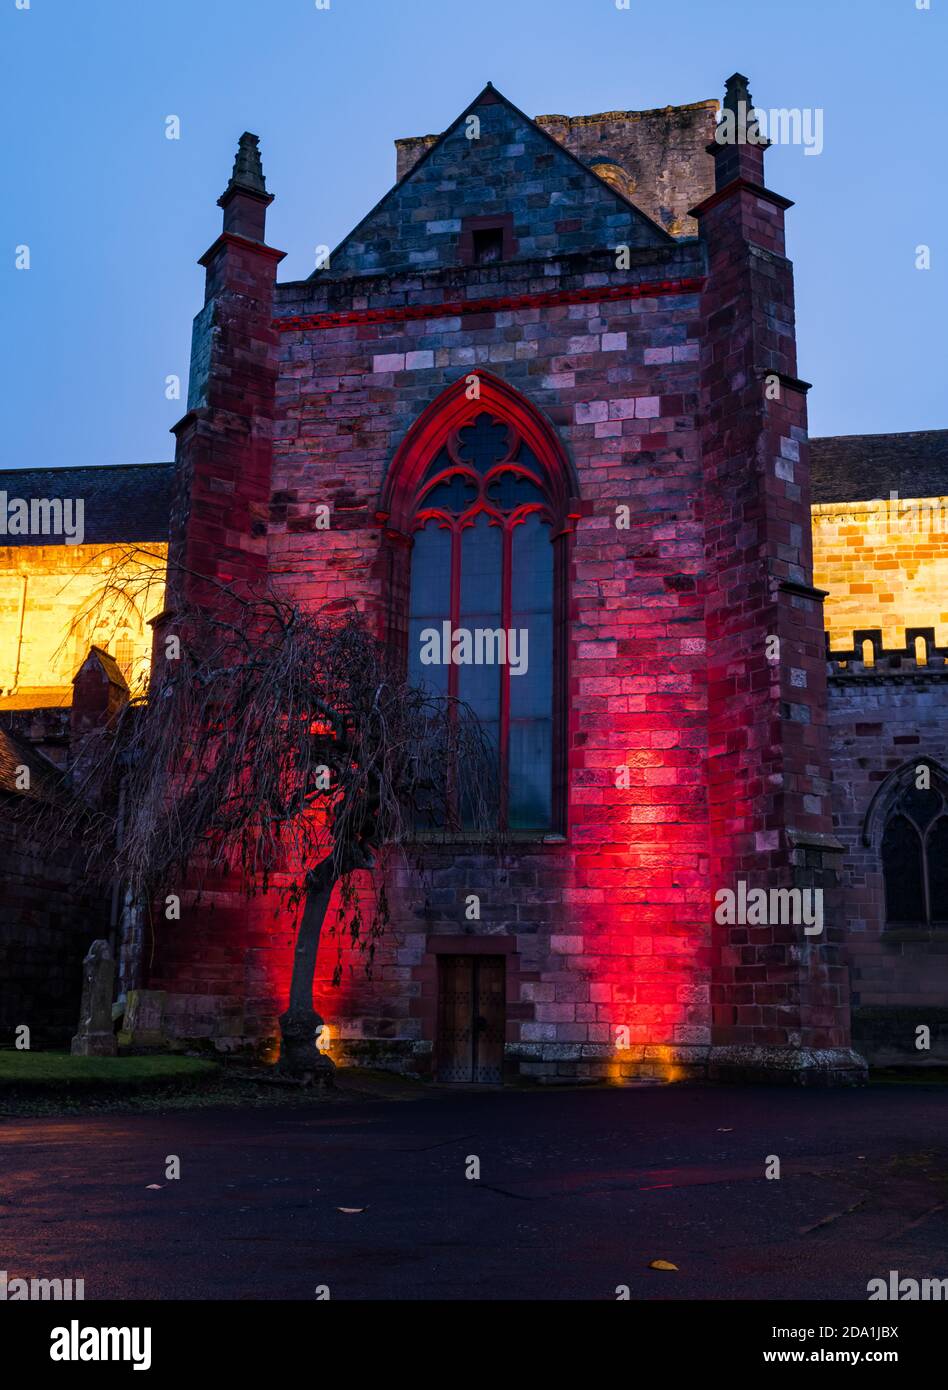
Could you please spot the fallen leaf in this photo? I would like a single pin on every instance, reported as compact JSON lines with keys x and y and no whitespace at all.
{"x":662,"y":1264}
{"x":351,"y":1211}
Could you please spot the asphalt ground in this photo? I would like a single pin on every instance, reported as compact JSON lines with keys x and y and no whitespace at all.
{"x":578,"y":1192}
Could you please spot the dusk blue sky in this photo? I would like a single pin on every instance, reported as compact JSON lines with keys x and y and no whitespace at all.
{"x":115,"y":214}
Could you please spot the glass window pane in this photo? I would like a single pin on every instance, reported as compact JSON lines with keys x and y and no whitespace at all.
{"x":531,"y":692}
{"x":921,"y":805}
{"x":481,"y":572}
{"x":431,"y":572}
{"x":528,"y":459}
{"x":455,"y":494}
{"x":530,"y":805}
{"x":530,"y":801}
{"x":902,"y":870}
{"x":938,"y":869}
{"x":484,"y":443}
{"x":479,"y":686}
{"x":479,"y":674}
{"x":532,"y":579}
{"x":531,"y":665}
{"x":491,"y":731}
{"x":481,"y":587}
{"x":438,"y":464}
{"x":430,"y":676}
{"x":509,"y":489}
{"x":430,"y":603}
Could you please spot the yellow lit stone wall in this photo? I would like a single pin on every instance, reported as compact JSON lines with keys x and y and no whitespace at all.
{"x":58,"y":600}
{"x":885,"y":565}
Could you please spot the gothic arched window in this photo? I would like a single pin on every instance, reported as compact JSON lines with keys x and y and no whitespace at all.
{"x":484,"y":502}
{"x":914,"y":851}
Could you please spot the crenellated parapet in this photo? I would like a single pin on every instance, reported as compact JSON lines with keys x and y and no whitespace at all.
{"x":869,"y":657}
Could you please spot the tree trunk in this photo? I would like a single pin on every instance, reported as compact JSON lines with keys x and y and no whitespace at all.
{"x":299,"y":1055}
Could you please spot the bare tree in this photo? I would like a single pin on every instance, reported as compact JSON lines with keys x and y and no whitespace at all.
{"x":280,"y":742}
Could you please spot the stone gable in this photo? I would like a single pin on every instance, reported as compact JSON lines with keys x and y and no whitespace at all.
{"x":511,"y":167}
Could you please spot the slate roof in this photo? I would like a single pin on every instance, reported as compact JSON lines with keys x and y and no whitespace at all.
{"x":109,"y":665}
{"x":132,"y":502}
{"x":124,"y":502}
{"x":16,"y":752}
{"x":862,"y":467}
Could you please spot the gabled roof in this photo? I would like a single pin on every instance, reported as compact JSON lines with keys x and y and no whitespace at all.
{"x":109,"y":666}
{"x":16,"y":753}
{"x":863,"y":467}
{"x":644,"y":147}
{"x":649,"y":231}
{"x":124,"y":502}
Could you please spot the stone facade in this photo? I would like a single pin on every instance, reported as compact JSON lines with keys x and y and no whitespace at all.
{"x":57,"y":597}
{"x":659,"y":159}
{"x":641,"y":354}
{"x":884,"y":564}
{"x":887,"y":718}
{"x":47,"y":922}
{"x":880,"y":522}
{"x":614,"y":289}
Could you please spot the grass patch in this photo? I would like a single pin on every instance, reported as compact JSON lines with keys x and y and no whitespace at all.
{"x":42,"y":1069}
{"x":51,"y":1083}
{"x":56,"y":1083}
{"x":908,"y":1076}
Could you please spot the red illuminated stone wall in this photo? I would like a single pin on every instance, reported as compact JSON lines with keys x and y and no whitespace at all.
{"x":651,"y":376}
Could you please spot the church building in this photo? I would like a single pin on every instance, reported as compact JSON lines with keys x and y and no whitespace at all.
{"x":547,"y":392}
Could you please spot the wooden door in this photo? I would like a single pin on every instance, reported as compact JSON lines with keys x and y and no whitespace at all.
{"x":471,"y":1018}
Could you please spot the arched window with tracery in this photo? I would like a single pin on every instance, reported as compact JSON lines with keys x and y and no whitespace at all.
{"x":914,"y":850}
{"x":481,"y":492}
{"x":114,"y":623}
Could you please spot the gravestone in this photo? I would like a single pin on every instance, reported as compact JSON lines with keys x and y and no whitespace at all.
{"x":95,"y":1037}
{"x":144,"y":1021}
